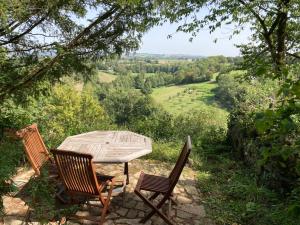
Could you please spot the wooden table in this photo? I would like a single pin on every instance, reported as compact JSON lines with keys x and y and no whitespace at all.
{"x":109,"y":146}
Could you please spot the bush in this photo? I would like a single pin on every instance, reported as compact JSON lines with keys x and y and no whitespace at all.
{"x":11,"y":155}
{"x":158,"y":125}
{"x":68,"y":112}
{"x":203,"y":126}
{"x":42,"y":190}
{"x":165,"y":151}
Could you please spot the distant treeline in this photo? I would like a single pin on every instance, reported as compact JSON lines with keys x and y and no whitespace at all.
{"x":123,"y":67}
{"x":145,"y":74}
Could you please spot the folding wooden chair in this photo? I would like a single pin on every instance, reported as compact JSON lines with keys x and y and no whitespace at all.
{"x":78,"y":174}
{"x":38,"y":155}
{"x":35,"y":149}
{"x":162,"y":185}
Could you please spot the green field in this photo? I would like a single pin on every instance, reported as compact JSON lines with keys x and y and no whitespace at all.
{"x":105,"y":77}
{"x":183,"y":98}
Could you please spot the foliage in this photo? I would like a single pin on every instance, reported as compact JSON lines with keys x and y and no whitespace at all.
{"x":67,"y":112}
{"x":165,"y":151}
{"x":11,"y":155}
{"x":42,"y":192}
{"x":159,"y":125}
{"x":143,"y":73}
{"x":42,"y":199}
{"x":204,"y":127}
{"x":125,"y":106}
{"x":281,"y":127}
{"x":232,"y":196}
{"x":48,"y":40}
{"x":275,"y":26}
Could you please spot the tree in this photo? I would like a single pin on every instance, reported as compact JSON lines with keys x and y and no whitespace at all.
{"x":275,"y":25}
{"x":269,"y":130}
{"x":139,"y":81}
{"x":43,"y":40}
{"x":147,"y":88}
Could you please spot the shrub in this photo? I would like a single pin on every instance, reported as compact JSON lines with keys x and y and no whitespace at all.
{"x":204,"y":126}
{"x":67,"y":112}
{"x":11,"y":155}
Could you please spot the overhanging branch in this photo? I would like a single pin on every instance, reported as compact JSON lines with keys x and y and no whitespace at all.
{"x":42,"y":70}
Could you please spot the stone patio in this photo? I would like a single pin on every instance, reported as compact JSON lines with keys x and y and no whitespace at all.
{"x":188,"y":211}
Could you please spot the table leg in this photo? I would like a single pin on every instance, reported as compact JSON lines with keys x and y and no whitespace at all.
{"x":126,"y":172}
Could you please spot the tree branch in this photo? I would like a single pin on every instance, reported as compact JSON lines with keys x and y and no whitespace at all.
{"x":295,"y":55}
{"x":24,"y":33}
{"x":265,"y":30}
{"x":40,"y":71}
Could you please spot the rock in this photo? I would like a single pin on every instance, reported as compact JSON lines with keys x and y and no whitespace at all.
{"x":156,"y":220}
{"x":14,"y":206}
{"x":122,"y":211}
{"x":197,"y":210}
{"x":128,"y":221}
{"x":141,"y":214}
{"x":112,"y":215}
{"x":184,"y":200}
{"x":132,"y":213}
{"x":176,"y":190}
{"x":184,"y":215}
{"x":140,"y":206}
{"x":10,"y":220}
{"x":72,"y":223}
{"x":130,"y":204}
{"x":109,"y":222}
{"x":191,"y":190}
{"x":82,"y":213}
{"x":188,"y":211}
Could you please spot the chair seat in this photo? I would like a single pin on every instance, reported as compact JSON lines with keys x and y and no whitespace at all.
{"x":154,"y":183}
{"x":119,"y":187}
{"x":103,"y":178}
{"x":51,"y":169}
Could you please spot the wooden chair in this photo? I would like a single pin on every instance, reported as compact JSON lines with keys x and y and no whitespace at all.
{"x":35,"y":149}
{"x":162,"y":185}
{"x":78,"y":174}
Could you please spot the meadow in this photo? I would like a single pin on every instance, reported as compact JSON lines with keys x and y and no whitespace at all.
{"x":105,"y":77}
{"x":184,"y":98}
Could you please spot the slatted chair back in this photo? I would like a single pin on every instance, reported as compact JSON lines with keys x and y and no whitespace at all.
{"x":181,"y":161}
{"x":77,"y":172}
{"x":34,"y":146}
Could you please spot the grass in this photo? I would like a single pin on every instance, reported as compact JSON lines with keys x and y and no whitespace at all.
{"x":229,"y":189}
{"x":105,"y":77}
{"x":231,"y":194}
{"x":183,"y":98}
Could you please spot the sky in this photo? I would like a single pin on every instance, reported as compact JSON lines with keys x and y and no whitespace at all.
{"x":156,"y":41}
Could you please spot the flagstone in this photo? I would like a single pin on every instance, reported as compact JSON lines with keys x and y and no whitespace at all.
{"x":188,"y":211}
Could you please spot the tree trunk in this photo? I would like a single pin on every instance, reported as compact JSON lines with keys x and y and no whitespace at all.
{"x":280,"y":59}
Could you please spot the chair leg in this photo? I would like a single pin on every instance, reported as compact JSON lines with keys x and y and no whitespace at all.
{"x":124,"y":196}
{"x":169,"y":208}
{"x":103,"y":213}
{"x":154,"y":196}
{"x":106,"y":202}
{"x":58,"y":195}
{"x":155,"y":209}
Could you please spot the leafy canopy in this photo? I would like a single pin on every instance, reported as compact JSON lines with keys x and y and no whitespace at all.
{"x":47,"y":39}
{"x":275,"y":26}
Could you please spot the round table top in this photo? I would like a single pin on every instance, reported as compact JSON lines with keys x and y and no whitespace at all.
{"x":109,"y":146}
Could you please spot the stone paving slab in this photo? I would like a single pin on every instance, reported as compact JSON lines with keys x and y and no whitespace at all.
{"x":189,"y":209}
